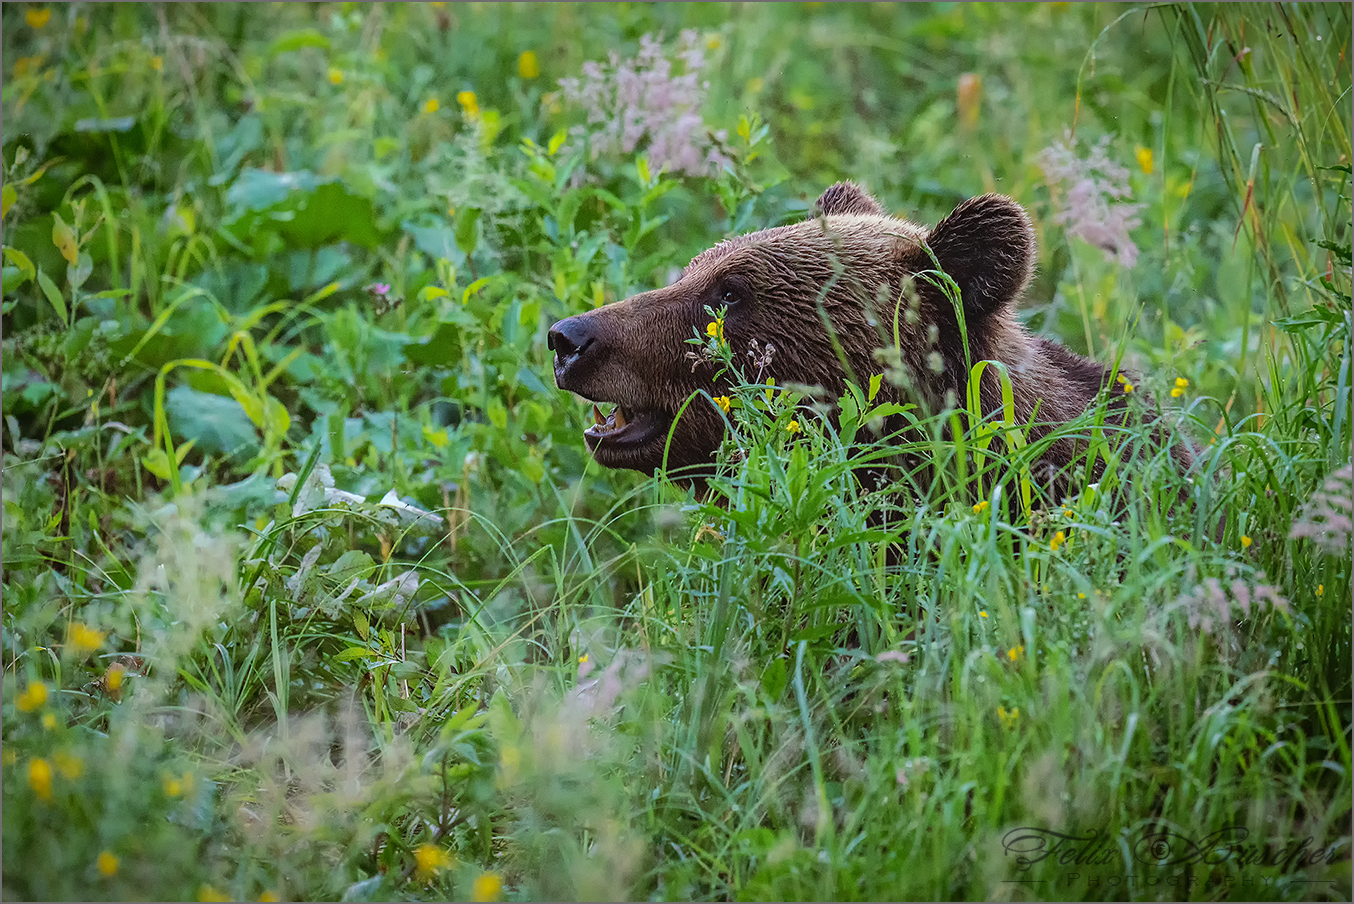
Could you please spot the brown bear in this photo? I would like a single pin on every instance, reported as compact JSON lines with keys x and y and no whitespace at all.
{"x":829,"y":293}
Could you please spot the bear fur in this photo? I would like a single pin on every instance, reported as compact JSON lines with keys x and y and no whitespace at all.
{"x":828,"y":294}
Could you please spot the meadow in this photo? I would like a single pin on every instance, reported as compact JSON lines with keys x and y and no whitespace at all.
{"x":312,"y":592}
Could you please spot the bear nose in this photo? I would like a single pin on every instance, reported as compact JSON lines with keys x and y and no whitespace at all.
{"x":570,"y":340}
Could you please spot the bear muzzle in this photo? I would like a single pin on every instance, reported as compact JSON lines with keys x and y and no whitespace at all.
{"x":625,"y":436}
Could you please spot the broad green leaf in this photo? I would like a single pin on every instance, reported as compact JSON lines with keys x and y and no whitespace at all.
{"x":467,"y":233}
{"x":20,"y":260}
{"x":498,"y":415}
{"x":307,"y":37}
{"x":53,"y":295}
{"x":7,"y":198}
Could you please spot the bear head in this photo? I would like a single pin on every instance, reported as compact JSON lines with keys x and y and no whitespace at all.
{"x":824,"y":294}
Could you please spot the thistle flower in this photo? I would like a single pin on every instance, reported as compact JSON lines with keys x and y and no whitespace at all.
{"x":642,"y":101}
{"x":1090,"y":198}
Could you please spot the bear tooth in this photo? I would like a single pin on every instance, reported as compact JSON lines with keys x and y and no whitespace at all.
{"x":597,"y":415}
{"x":620,"y":418}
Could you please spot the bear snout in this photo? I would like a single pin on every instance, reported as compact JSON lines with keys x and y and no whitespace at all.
{"x":571,"y":340}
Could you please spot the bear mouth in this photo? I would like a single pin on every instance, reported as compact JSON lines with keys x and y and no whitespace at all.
{"x":623,"y":430}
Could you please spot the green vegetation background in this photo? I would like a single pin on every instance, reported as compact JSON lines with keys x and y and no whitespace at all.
{"x":310,"y":589}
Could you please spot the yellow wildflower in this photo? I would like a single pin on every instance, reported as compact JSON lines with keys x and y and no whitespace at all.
{"x":49,"y":721}
{"x":793,"y":427}
{"x":713,"y":42}
{"x":268,"y":895}
{"x":468,"y":103}
{"x":71,"y":767}
{"x":33,"y":697}
{"x":527,"y":67}
{"x":724,"y":403}
{"x":335,"y":76}
{"x":207,"y":893}
{"x":1320,"y":589}
{"x":715,"y":330}
{"x":1128,"y":387}
{"x":1015,"y":652}
{"x":1181,"y":383}
{"x":487,"y":887}
{"x":82,"y":639}
{"x":1177,"y":392}
{"x":756,"y":84}
{"x":1145,"y":159}
{"x":1081,"y":596}
{"x":157,"y":63}
{"x":173,"y":787}
{"x":1008,"y":719}
{"x":431,"y":105}
{"x":582,"y":659}
{"x":431,"y":860}
{"x":982,"y":613}
{"x":108,"y":863}
{"x":40,"y":778}
{"x":1246,"y":541}
{"x":37,"y":18}
{"x":981,"y":507}
{"x":112,"y":679}
{"x":1058,"y":540}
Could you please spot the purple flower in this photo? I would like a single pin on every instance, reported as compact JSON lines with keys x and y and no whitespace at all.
{"x":379,"y":290}
{"x":1089,"y":198}
{"x":642,"y":101}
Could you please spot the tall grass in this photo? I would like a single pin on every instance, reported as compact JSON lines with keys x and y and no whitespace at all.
{"x":311,"y":591}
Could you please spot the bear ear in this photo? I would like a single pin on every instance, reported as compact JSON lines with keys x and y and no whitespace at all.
{"x":987,"y":248}
{"x":847,"y":197}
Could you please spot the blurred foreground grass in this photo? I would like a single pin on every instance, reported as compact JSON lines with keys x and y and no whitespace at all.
{"x":311,"y":591}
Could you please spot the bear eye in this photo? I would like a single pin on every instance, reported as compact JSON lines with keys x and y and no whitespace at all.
{"x":732,"y":291}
